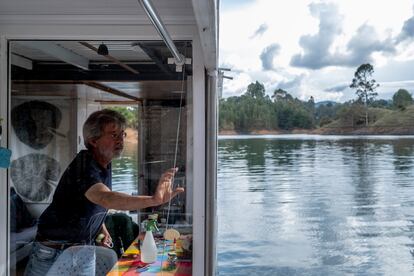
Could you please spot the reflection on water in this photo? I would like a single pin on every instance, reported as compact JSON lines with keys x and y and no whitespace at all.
{"x":125,"y":170}
{"x":316,"y":205}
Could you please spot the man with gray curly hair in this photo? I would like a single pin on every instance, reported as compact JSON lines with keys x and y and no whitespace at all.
{"x":83,"y":196}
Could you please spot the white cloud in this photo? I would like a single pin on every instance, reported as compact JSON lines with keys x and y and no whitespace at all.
{"x":336,"y":33}
{"x":388,"y":89}
{"x":338,"y":88}
{"x":316,"y":48}
{"x":268,"y":55}
{"x":317,"y":51}
{"x":364,"y":44}
{"x":260,"y":31}
{"x":238,"y":85}
{"x":408,"y":29}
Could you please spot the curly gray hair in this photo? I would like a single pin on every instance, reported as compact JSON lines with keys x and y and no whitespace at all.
{"x":96,"y":122}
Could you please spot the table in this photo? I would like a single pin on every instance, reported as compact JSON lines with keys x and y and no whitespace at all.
{"x":130,"y":261}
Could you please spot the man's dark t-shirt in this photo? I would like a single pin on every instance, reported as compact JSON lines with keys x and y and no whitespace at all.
{"x":71,"y":217}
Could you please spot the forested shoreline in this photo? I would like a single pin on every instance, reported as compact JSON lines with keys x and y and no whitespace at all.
{"x":254,"y":112}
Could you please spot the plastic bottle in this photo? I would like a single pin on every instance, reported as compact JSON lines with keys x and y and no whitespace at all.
{"x":148,"y":247}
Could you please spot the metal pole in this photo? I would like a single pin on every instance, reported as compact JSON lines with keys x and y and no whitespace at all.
{"x":156,"y":21}
{"x":211,"y":175}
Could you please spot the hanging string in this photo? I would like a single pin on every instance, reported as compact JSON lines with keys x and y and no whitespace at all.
{"x":175,"y":156}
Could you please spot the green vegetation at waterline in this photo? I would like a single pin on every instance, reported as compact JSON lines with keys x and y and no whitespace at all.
{"x":256,"y":112}
{"x":130,"y":113}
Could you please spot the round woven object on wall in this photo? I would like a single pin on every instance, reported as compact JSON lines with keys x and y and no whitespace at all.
{"x":34,"y":176}
{"x":35,"y":123}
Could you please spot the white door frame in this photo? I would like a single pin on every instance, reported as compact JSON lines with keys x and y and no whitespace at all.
{"x":4,"y":194}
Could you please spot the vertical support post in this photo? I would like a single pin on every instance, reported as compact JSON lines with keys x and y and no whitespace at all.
{"x":199,"y":160}
{"x":4,"y":191}
{"x":141,"y":152}
{"x":211,"y":177}
{"x":189,"y":189}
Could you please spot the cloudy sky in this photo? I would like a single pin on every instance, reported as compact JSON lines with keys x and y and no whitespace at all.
{"x":312,"y":48}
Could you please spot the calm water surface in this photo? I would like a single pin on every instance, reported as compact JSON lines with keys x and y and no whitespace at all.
{"x":125,"y":170}
{"x":309,"y":205}
{"x":315,"y":205}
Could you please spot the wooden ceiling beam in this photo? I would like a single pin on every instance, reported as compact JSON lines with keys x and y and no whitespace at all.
{"x":104,"y":102}
{"x":110,"y":90}
{"x":111,"y":58}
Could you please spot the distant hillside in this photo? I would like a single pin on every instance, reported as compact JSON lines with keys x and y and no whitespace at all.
{"x":397,"y":118}
{"x":318,"y":104}
{"x":386,"y":122}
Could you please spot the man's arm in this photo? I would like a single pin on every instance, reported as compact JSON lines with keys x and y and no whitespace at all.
{"x":103,"y":196}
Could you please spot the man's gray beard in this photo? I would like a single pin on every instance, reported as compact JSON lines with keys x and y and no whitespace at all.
{"x":118,"y":153}
{"x":109,"y":155}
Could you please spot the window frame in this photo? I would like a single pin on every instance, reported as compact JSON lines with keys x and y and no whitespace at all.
{"x":198,"y":109}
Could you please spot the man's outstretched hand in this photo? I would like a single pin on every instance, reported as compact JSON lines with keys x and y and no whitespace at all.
{"x":164,"y":191}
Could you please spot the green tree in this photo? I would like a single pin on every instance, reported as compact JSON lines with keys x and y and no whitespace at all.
{"x":130,"y":113}
{"x":352,"y":114}
{"x":310,"y":105}
{"x":255,"y":111}
{"x":381,"y":103}
{"x":365,"y":86}
{"x":292,"y":112}
{"x":256,"y":90}
{"x":326,"y":113}
{"x":281,"y":95}
{"x":402,"y":98}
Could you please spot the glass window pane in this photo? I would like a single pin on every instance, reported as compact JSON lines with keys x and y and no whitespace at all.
{"x":52,"y":95}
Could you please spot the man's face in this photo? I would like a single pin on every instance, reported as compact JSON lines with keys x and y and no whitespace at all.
{"x":111,"y":143}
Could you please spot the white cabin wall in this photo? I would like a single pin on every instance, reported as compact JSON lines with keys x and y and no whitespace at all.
{"x":92,"y":19}
{"x":44,"y":30}
{"x":81,"y":114}
{"x":85,"y":106}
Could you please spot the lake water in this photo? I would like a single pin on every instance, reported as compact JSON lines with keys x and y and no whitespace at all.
{"x":309,"y":205}
{"x":125,"y":170}
{"x":315,"y":205}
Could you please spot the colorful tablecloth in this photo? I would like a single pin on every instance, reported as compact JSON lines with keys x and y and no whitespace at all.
{"x":130,"y":263}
